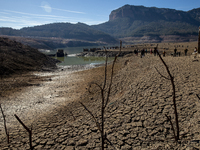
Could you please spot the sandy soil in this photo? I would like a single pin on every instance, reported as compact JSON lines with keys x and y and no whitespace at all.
{"x":40,"y":97}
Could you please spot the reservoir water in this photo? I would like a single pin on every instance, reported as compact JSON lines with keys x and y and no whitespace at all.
{"x":72,"y":59}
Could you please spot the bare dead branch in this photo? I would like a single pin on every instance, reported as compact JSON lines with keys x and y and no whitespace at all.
{"x":112,"y":72}
{"x":103,"y":102}
{"x":105,"y":72}
{"x":198,"y":96}
{"x":5,"y":127}
{"x":161,"y":74}
{"x":174,"y":96}
{"x":93,"y":83}
{"x":97,"y":123}
{"x":169,"y":119}
{"x":28,"y":130}
{"x":110,"y":142}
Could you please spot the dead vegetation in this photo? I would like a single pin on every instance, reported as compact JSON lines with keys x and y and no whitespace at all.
{"x":105,"y":90}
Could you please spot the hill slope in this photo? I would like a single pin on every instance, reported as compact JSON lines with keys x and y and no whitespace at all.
{"x":69,"y":35}
{"x":16,"y":58}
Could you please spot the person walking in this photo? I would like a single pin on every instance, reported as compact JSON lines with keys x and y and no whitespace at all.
{"x":155,"y":51}
{"x":175,"y":50}
{"x":186,"y":51}
{"x":151,"y":51}
{"x":164,"y":53}
{"x":142,"y":53}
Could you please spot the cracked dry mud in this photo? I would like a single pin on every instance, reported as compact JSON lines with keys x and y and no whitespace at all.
{"x":135,"y":116}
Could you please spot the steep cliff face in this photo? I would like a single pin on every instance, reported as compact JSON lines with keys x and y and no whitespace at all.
{"x":153,"y":14}
{"x":139,"y":21}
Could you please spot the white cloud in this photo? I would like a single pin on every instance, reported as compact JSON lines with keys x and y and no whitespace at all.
{"x":45,"y":5}
{"x":47,"y":8}
{"x":78,"y":12}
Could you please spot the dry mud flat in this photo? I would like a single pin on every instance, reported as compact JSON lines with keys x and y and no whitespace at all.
{"x":135,"y":116}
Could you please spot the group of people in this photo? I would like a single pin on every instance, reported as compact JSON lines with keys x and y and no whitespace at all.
{"x":144,"y":51}
{"x":155,"y":52}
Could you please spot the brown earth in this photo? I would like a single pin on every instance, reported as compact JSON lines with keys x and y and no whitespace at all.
{"x":135,"y":116}
{"x":16,"y":58}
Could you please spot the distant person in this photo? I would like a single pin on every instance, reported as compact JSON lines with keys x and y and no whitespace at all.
{"x":164,"y":53}
{"x":155,"y":51}
{"x":186,"y":50}
{"x":142,"y":53}
{"x":135,"y":52}
{"x":151,"y":51}
{"x":195,"y":52}
{"x":195,"y":49}
{"x":175,"y":50}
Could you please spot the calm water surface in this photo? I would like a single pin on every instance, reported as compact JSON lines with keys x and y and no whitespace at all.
{"x":71,"y":59}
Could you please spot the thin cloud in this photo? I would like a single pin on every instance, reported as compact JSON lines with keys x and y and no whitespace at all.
{"x":69,"y":11}
{"x":28,"y":19}
{"x":4,"y":13}
{"x":77,"y":12}
{"x":36,"y":15}
{"x":19,"y":19}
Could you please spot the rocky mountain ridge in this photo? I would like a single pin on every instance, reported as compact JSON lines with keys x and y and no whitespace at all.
{"x":127,"y":22}
{"x":139,"y":21}
{"x":153,"y":14}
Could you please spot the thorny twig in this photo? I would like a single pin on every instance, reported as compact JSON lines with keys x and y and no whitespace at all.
{"x":28,"y":130}
{"x":4,"y":120}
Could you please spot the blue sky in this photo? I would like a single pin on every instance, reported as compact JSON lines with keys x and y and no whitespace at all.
{"x":26,"y":13}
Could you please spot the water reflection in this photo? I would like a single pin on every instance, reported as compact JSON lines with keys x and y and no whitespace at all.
{"x":81,"y":60}
{"x":60,"y":58}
